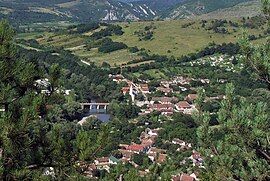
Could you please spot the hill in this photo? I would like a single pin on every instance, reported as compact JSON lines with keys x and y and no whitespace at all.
{"x":75,"y":10}
{"x":246,"y":9}
{"x":29,"y":11}
{"x":168,"y":38}
{"x":193,"y":8}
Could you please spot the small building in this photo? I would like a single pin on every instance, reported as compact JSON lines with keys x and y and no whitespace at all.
{"x":164,"y":100}
{"x":102,"y":161}
{"x":163,"y":108}
{"x":165,"y":90}
{"x":161,"y":158}
{"x":183,"y":177}
{"x":113,"y":160}
{"x":125,"y":90}
{"x":127,"y":155}
{"x":144,"y":88}
{"x":177,"y":141}
{"x":136,"y":148}
{"x":182,"y":106}
{"x":191,"y":98}
{"x":117,"y":78}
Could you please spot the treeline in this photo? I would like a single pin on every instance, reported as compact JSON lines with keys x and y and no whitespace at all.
{"x":108,"y":31}
{"x":161,"y":60}
{"x":89,"y":82}
{"x":83,"y":28}
{"x":105,"y":45}
{"x":111,"y":46}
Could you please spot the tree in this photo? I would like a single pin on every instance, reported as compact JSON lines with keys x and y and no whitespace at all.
{"x":237,"y":148}
{"x":21,"y":107}
{"x":257,"y":58}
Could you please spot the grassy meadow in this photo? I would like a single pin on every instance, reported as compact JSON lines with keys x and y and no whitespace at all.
{"x":169,"y":38}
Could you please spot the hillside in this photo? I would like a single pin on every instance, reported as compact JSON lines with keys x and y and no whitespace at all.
{"x":29,"y":11}
{"x":246,"y":9}
{"x":193,"y":8}
{"x":168,"y":38}
{"x":76,"y":10}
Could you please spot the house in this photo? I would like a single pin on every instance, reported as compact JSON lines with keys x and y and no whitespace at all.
{"x":125,"y":90}
{"x":165,"y":109}
{"x":136,"y":148}
{"x":185,"y":107}
{"x":102,"y":161}
{"x":89,"y":170}
{"x":144,"y":88}
{"x":183,"y":177}
{"x":151,"y":132}
{"x":142,"y":173}
{"x":117,"y":78}
{"x":127,"y":155}
{"x":113,"y":160}
{"x":161,"y":158}
{"x":156,"y":150}
{"x":49,"y":171}
{"x":182,"y":80}
{"x":157,"y":155}
{"x":196,"y":159}
{"x":182,"y":106}
{"x":147,"y":143}
{"x":164,"y":100}
{"x":191,"y":98}
{"x":166,"y":90}
{"x":177,"y":141}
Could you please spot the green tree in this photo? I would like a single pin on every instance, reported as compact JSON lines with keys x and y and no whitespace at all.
{"x":257,"y":57}
{"x":237,"y":148}
{"x":21,"y":107}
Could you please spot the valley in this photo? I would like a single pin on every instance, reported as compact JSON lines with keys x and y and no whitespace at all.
{"x":168,"y":38}
{"x":135,"y":90}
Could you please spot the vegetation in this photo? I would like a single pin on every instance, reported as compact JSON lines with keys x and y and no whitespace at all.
{"x":43,"y":131}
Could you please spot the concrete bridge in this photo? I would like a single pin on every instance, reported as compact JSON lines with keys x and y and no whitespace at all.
{"x":95,"y":106}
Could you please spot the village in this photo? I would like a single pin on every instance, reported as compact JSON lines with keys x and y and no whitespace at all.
{"x":167,"y":104}
{"x":128,"y":152}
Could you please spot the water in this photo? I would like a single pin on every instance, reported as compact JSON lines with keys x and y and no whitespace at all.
{"x":100,"y":114}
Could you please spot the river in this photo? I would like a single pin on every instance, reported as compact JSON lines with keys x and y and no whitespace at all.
{"x":99,"y":114}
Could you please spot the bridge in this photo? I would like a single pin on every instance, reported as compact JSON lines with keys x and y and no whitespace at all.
{"x":95,"y":106}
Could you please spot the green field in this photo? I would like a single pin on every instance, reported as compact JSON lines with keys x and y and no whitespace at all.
{"x":169,"y":38}
{"x":169,"y":35}
{"x":114,"y":58}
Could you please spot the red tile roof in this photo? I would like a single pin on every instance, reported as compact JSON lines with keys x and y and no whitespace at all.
{"x":162,"y":106}
{"x":161,"y":158}
{"x":192,"y":97}
{"x":183,"y":177}
{"x":183,"y":104}
{"x":125,"y":89}
{"x":135,"y":148}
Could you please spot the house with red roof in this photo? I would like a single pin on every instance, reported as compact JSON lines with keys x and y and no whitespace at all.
{"x":165,"y":90}
{"x":144,"y":88}
{"x":191,"y":98}
{"x":183,"y":177}
{"x":165,"y":109}
{"x":125,"y":90}
{"x":136,"y":148}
